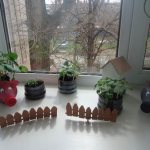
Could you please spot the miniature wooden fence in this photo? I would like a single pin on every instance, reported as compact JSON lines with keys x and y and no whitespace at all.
{"x":96,"y":114}
{"x":27,"y":116}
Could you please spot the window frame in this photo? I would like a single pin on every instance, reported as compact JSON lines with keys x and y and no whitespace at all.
{"x":4,"y":39}
{"x":137,"y":45}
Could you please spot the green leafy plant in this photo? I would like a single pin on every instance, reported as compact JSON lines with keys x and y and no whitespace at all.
{"x":9,"y":65}
{"x":33,"y":83}
{"x":68,"y":71}
{"x":111,"y":89}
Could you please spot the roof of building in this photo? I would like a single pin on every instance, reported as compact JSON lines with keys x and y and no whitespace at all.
{"x":120,"y":64}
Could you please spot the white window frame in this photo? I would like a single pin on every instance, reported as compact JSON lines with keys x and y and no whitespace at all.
{"x":3,"y":44}
{"x":124,"y":49}
{"x":137,"y":44}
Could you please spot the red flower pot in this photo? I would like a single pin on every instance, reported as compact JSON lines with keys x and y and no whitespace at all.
{"x":8,"y":92}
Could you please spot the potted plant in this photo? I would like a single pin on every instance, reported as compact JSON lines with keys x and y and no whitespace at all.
{"x":8,"y":84}
{"x":35,"y":89}
{"x":145,"y":97}
{"x":111,"y":92}
{"x":67,"y":78}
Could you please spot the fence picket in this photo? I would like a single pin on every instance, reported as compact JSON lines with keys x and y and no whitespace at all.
{"x":68,"y":109}
{"x":39,"y":113}
{"x":114,"y":114}
{"x":81,"y":112}
{"x":54,"y":112}
{"x":32,"y":114}
{"x":101,"y":114}
{"x":10,"y":119}
{"x":46,"y":112}
{"x":107,"y":114}
{"x":3,"y":122}
{"x":95,"y":114}
{"x":88,"y":113}
{"x":17,"y":118}
{"x":75,"y":110}
{"x":25,"y":116}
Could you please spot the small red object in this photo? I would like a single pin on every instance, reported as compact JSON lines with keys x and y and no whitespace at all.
{"x":8,"y":92}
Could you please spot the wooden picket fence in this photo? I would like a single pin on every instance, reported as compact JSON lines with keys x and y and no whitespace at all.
{"x":96,"y":114}
{"x":27,"y":116}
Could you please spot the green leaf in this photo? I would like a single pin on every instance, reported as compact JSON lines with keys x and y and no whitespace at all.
{"x":12,"y":56}
{"x":1,"y":68}
{"x":107,"y":87}
{"x":68,"y":70}
{"x":23,"y":69}
{"x":10,"y":68}
{"x":66,"y":63}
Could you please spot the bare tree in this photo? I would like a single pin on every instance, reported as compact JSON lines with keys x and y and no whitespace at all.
{"x":93,"y":31}
{"x":42,"y":26}
{"x":86,"y":26}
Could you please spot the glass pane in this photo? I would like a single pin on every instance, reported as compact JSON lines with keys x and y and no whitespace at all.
{"x":147,"y":53}
{"x":45,"y":33}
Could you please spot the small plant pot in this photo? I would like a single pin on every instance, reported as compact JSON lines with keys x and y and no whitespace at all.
{"x":67,"y":87}
{"x":8,"y":92}
{"x":113,"y":104}
{"x":145,"y":97}
{"x":35,"y":93}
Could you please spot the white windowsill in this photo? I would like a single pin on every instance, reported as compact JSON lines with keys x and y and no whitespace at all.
{"x":52,"y":79}
{"x":130,"y":132}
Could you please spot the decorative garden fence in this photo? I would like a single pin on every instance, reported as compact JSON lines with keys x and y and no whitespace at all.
{"x":96,"y":114}
{"x":27,"y":116}
{"x":32,"y":114}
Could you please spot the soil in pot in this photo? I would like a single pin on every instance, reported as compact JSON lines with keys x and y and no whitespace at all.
{"x":113,"y":104}
{"x":35,"y":92}
{"x":5,"y":77}
{"x":67,"y":86}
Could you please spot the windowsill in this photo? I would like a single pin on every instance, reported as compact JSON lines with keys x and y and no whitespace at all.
{"x":131,"y":131}
{"x":52,"y":79}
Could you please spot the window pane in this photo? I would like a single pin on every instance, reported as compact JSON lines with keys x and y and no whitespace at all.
{"x":45,"y":33}
{"x":147,"y":53}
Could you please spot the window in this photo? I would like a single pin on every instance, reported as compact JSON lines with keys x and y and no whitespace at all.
{"x":69,"y":40}
{"x":45,"y":33}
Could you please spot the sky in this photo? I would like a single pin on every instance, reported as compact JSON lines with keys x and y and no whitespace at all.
{"x":51,"y":1}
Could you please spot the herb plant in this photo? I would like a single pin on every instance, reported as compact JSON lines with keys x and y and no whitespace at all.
{"x":9,"y":65}
{"x":33,"y":83}
{"x":111,"y":89}
{"x":68,"y":71}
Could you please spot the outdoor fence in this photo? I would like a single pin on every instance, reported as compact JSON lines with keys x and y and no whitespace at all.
{"x":27,"y":116}
{"x":96,"y":114}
